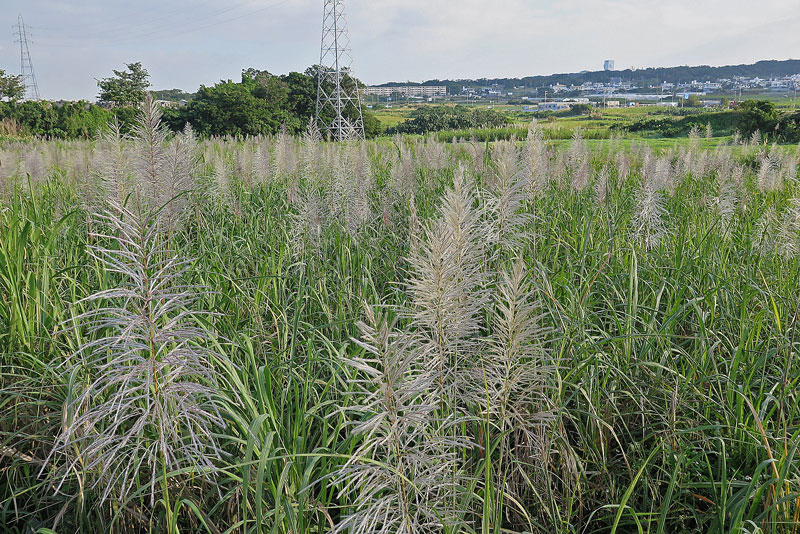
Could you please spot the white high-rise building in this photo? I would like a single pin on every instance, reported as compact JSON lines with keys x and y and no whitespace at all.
{"x":608,"y":65}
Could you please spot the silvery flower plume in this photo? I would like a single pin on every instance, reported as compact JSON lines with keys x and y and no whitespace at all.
{"x":510,"y":384}
{"x":263,"y":163}
{"x":765,"y":233}
{"x":309,"y":154}
{"x":695,"y":135}
{"x":115,"y":165}
{"x":284,"y":159}
{"x":788,"y":239}
{"x":623,"y":166}
{"x":770,"y":175}
{"x":222,"y":189}
{"x":307,"y":226}
{"x":401,"y":176}
{"x":507,"y":202}
{"x":478,"y":152}
{"x":244,"y":164}
{"x":790,"y":164}
{"x":725,"y":202}
{"x":559,"y":169}
{"x":358,"y":188}
{"x":150,"y":158}
{"x":434,"y":155}
{"x":702,"y":164}
{"x":663,"y":176}
{"x":338,"y":194}
{"x":537,"y":159}
{"x":312,"y":132}
{"x":648,"y":219}
{"x":601,"y":186}
{"x":414,"y":226}
{"x":755,"y":139}
{"x":446,"y":282}
{"x":147,"y":404}
{"x":33,"y":163}
{"x":578,"y":162}
{"x":404,"y":476}
{"x":182,"y":166}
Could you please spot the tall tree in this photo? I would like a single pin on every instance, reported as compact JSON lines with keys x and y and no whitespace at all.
{"x":126,"y":88}
{"x":11,"y":87}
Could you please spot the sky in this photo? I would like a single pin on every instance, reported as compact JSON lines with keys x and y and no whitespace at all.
{"x":186,"y":43}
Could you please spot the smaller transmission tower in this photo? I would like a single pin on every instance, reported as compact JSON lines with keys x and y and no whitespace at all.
{"x":339,"y":114}
{"x":26,"y":65}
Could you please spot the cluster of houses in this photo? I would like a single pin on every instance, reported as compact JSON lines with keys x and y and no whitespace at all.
{"x":622,"y":92}
{"x":616,"y":85}
{"x":780,"y":84}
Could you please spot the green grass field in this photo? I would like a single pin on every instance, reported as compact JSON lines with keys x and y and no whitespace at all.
{"x":288,"y":336}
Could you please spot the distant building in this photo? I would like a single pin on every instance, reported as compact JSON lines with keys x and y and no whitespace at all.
{"x":608,"y":65}
{"x":424,"y":91}
{"x":553,"y":106}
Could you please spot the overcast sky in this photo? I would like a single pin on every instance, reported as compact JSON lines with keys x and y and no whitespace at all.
{"x":185,"y":43}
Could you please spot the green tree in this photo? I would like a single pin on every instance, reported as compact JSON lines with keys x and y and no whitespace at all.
{"x":229,"y":108}
{"x":581,"y":109}
{"x":760,"y":115}
{"x":126,"y":88}
{"x":11,"y":87}
{"x":372,"y":125}
{"x":302,"y":94}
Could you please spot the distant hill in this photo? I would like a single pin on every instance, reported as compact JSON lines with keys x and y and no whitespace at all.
{"x":762,"y":69}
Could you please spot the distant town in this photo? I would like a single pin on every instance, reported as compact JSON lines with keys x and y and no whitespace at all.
{"x":619,"y":89}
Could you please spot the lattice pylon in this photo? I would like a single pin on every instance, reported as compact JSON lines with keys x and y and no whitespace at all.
{"x":26,"y":64}
{"x":339,"y":116}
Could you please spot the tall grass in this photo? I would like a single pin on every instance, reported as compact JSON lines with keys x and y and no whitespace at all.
{"x":397,"y":337}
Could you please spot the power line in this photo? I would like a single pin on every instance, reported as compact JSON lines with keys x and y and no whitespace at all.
{"x":26,"y":64}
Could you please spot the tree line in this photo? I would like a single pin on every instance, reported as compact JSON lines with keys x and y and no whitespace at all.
{"x":260,"y":103}
{"x":438,"y":118}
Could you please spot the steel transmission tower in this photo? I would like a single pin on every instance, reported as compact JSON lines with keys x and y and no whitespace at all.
{"x":26,"y":65}
{"x":339,"y":114}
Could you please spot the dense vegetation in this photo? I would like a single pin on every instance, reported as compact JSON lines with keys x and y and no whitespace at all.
{"x":427,"y":119}
{"x":275,"y":334}
{"x":70,"y":120}
{"x":261,"y":104}
{"x":750,"y":118}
